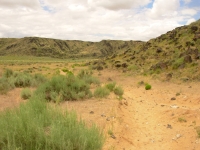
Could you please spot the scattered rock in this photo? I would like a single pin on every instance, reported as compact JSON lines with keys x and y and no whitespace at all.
{"x":99,"y":68}
{"x":92,"y":112}
{"x":108,"y":119}
{"x":118,"y":65}
{"x":124,"y":65}
{"x":102,"y":115}
{"x":169,"y":126}
{"x":187,"y":59}
{"x":178,"y":136}
{"x":168,"y":76}
{"x":173,"y":98}
{"x":109,"y":79}
{"x":126,"y":103}
{"x":112,"y":136}
{"x":159,"y":50}
{"x":174,"y":106}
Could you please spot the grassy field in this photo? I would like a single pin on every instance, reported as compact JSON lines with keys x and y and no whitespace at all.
{"x":37,"y":124}
{"x":34,"y":59}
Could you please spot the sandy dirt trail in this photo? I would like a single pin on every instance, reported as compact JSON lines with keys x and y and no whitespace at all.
{"x":151,"y":117}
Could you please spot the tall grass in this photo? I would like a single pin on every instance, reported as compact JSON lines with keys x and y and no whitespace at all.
{"x":87,"y":77}
{"x":62,"y":88}
{"x":11,"y":79}
{"x":119,"y":91}
{"x":101,"y":92}
{"x":36,"y":125}
{"x":5,"y":85}
{"x":26,"y":93}
{"x":111,"y":86}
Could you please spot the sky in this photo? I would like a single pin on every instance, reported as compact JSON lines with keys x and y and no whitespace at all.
{"x":95,"y":20}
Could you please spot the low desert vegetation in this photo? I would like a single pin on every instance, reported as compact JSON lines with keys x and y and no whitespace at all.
{"x":101,"y":92}
{"x":5,"y":85}
{"x":69,"y":87}
{"x":181,"y":119}
{"x":147,"y":86}
{"x":64,"y":88}
{"x":67,"y":71}
{"x":198,"y":131}
{"x":26,"y":93}
{"x":118,"y":91}
{"x":111,"y":86}
{"x":11,"y":79}
{"x":36,"y":125}
{"x":178,"y":63}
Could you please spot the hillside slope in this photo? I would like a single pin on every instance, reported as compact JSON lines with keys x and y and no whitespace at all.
{"x":61,"y":48}
{"x":176,"y":53}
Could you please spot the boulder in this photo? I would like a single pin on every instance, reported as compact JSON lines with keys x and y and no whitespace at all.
{"x":194,"y":28}
{"x":117,"y":61}
{"x":99,"y":68}
{"x":160,"y":65}
{"x":124,"y":65}
{"x":159,"y":50}
{"x":196,"y":36}
{"x":118,"y":65}
{"x":187,"y":59}
{"x":168,"y":76}
{"x":197,"y":56}
{"x":132,"y":57}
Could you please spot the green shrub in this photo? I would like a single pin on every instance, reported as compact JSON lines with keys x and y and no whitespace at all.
{"x":132,"y":68}
{"x":67,"y":71}
{"x":8,"y":73}
{"x":36,"y":125}
{"x":147,"y":86}
{"x":23,"y":80}
{"x":111,"y":86}
{"x":101,"y":92}
{"x":38,"y":79}
{"x":12,"y":79}
{"x":198,"y":131}
{"x":178,"y":63}
{"x":26,"y":93}
{"x":5,"y":85}
{"x":180,"y":119}
{"x":118,"y":91}
{"x":65,"y":88}
{"x":87,"y":77}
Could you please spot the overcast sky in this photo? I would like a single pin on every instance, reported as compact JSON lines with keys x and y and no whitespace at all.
{"x":95,"y":20}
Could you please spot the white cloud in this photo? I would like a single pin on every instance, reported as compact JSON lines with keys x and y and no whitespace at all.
{"x":91,"y":20}
{"x":187,"y":1}
{"x":163,"y":8}
{"x":118,"y":4}
{"x":189,"y":11}
{"x":19,"y":3}
{"x":190,"y":21}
